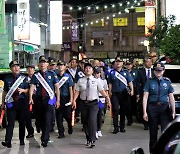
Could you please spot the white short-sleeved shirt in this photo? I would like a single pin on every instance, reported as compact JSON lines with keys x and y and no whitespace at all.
{"x":104,"y":84}
{"x":94,"y":89}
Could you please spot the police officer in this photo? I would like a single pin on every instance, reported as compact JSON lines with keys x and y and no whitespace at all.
{"x":15,"y":87}
{"x":156,"y":109}
{"x":30,"y":70}
{"x":88,"y":88}
{"x":132,"y":99}
{"x":52,"y":67}
{"x":120,"y":86}
{"x":45,"y":81}
{"x":66,"y":97}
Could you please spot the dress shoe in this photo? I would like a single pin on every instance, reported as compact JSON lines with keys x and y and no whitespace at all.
{"x":30,"y":136}
{"x":146,"y":128}
{"x":6,"y":144}
{"x":44,"y":144}
{"x":87,"y":143}
{"x":115,"y":131}
{"x":22,"y":142}
{"x":122,"y":130}
{"x":70,"y":130}
{"x":91,"y":144}
{"x":61,"y":136}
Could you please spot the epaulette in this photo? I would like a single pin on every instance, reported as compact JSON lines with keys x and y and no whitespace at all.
{"x":165,"y":78}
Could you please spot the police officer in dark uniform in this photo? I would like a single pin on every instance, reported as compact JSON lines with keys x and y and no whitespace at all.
{"x":66,"y":97}
{"x":52,"y":67}
{"x":120,"y":86}
{"x":132,"y":99}
{"x":14,"y":97}
{"x":30,"y":70}
{"x":88,"y":88}
{"x":46,"y":82}
{"x":156,"y":109}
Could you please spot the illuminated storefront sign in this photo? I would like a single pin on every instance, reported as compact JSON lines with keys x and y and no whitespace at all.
{"x":23,"y":19}
{"x":150,"y":16}
{"x":56,"y":22}
{"x":120,"y":22}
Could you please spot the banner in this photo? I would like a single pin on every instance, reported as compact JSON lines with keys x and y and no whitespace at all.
{"x":150,"y":16}
{"x":2,"y":17}
{"x":56,"y":22}
{"x":75,"y":32}
{"x":120,"y":22}
{"x":23,"y":19}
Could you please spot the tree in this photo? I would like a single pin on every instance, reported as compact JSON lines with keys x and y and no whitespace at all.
{"x":170,"y":45}
{"x":166,"y":38}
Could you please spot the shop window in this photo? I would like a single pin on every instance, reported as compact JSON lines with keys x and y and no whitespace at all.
{"x":140,"y":21}
{"x":140,"y":41}
{"x":97,"y":42}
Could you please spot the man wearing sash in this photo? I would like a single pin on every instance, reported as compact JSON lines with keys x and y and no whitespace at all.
{"x":13,"y":96}
{"x":120,"y":81}
{"x":46,"y":82}
{"x":30,"y":70}
{"x":66,"y":97}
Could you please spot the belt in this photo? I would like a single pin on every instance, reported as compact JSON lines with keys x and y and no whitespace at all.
{"x":158,"y":103}
{"x":43,"y":97}
{"x":86,"y":101}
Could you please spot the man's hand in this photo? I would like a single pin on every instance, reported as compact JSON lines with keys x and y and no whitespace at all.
{"x":20,"y":90}
{"x":57,"y":105}
{"x":145,"y":117}
{"x":131,"y":93}
{"x":74,"y":105}
{"x":31,"y":101}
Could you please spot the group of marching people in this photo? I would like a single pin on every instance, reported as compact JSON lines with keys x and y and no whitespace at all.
{"x":57,"y":89}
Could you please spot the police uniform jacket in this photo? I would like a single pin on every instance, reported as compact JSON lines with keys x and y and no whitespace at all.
{"x":9,"y":81}
{"x":50,"y":77}
{"x":117,"y":85}
{"x":158,"y":89}
{"x":64,"y":90}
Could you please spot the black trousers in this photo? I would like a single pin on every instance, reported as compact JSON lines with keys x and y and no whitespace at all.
{"x":99,"y":118}
{"x":157,"y":114}
{"x":66,"y":113}
{"x":17,"y":110}
{"x":89,"y":118}
{"x":119,"y":100}
{"x":28,"y":121}
{"x":44,"y":117}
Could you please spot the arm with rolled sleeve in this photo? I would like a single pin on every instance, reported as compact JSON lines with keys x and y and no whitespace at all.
{"x":145,"y":99}
{"x":76,"y":94}
{"x":172,"y":100}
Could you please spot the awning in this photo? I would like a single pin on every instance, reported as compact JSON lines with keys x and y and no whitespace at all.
{"x":27,"y":47}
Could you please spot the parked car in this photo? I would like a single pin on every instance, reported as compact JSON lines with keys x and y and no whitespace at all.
{"x":169,"y":141}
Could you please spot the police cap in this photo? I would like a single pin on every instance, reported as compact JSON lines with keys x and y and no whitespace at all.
{"x":42,"y":59}
{"x":159,"y":66}
{"x":59,"y":62}
{"x":13,"y":63}
{"x":31,"y":66}
{"x":118,"y":59}
{"x":97,"y":70}
{"x":87,"y":64}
